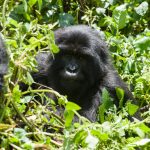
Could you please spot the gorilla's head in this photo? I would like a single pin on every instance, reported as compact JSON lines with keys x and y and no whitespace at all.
{"x":79,"y":67}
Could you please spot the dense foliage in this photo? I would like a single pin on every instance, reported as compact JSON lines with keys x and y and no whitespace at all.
{"x":26,"y":26}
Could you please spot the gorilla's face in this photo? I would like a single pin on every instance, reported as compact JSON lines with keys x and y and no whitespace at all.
{"x":78,"y":68}
{"x":74,"y":71}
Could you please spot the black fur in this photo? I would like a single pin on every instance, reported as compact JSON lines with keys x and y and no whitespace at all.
{"x":81,"y":69}
{"x":3,"y":62}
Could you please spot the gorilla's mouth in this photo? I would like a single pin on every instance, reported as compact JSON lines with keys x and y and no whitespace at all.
{"x":71,"y":76}
{"x":71,"y":80}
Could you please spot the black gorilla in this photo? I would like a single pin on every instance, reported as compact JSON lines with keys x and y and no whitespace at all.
{"x":3,"y":62}
{"x":81,"y":69}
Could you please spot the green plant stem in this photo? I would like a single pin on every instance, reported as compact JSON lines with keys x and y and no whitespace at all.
{"x":4,"y":13}
{"x":42,"y":90}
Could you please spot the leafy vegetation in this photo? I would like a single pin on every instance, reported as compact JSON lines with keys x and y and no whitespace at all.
{"x":26,"y":123}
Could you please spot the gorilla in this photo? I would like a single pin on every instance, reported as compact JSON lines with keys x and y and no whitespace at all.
{"x":81,"y":69}
{"x":3,"y":62}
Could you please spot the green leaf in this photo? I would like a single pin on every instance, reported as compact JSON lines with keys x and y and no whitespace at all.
{"x":144,"y":128}
{"x":143,"y":44}
{"x":12,"y":43}
{"x":142,"y":142}
{"x":29,"y":79}
{"x":40,"y":2}
{"x":13,"y":22}
{"x":16,"y":93}
{"x":26,"y":99}
{"x":100,"y":10}
{"x":139,"y":132}
{"x":19,"y":132}
{"x":106,"y":104}
{"x":101,"y":136}
{"x":79,"y":136}
{"x":69,"y":112}
{"x":72,"y":106}
{"x":142,"y":8}
{"x":54,"y":48}
{"x":120,"y":96}
{"x":106,"y":100}
{"x":69,"y":115}
{"x":101,"y":113}
{"x":65,"y":19}
{"x":91,"y":141}
{"x":120,"y":15}
{"x":20,"y":9}
{"x":25,"y":5}
{"x":32,"y":2}
{"x":131,"y":108}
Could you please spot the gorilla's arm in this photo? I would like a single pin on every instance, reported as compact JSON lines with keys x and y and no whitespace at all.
{"x":112,"y":81}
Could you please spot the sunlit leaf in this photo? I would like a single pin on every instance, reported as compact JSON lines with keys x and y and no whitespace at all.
{"x":120,"y":95}
{"x":142,"y":8}
{"x":91,"y":141}
{"x":132,"y":108}
{"x":72,"y":106}
{"x":120,"y":15}
{"x":32,"y":2}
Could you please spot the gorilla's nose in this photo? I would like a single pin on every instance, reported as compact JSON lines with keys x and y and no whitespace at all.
{"x":72,"y":68}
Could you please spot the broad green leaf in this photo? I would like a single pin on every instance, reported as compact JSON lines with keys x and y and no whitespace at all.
{"x":68,"y":114}
{"x":13,"y":22}
{"x":29,"y":78}
{"x":142,"y":142}
{"x":120,"y":96}
{"x":142,"y":8}
{"x":12,"y":43}
{"x":91,"y":141}
{"x":32,"y":2}
{"x":19,"y":132}
{"x":143,"y":44}
{"x":139,"y":132}
{"x":20,"y":9}
{"x":144,"y":128}
{"x":26,"y":99}
{"x":16,"y":93}
{"x":25,"y":5}
{"x":54,"y":48}
{"x":65,"y":19}
{"x":106,"y":100}
{"x":40,"y":2}
{"x":100,"y":10}
{"x":80,"y":135}
{"x":106,"y":104}
{"x":72,"y":106}
{"x":101,"y":136}
{"x":131,"y":108}
{"x":120,"y":15}
{"x":101,"y":113}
